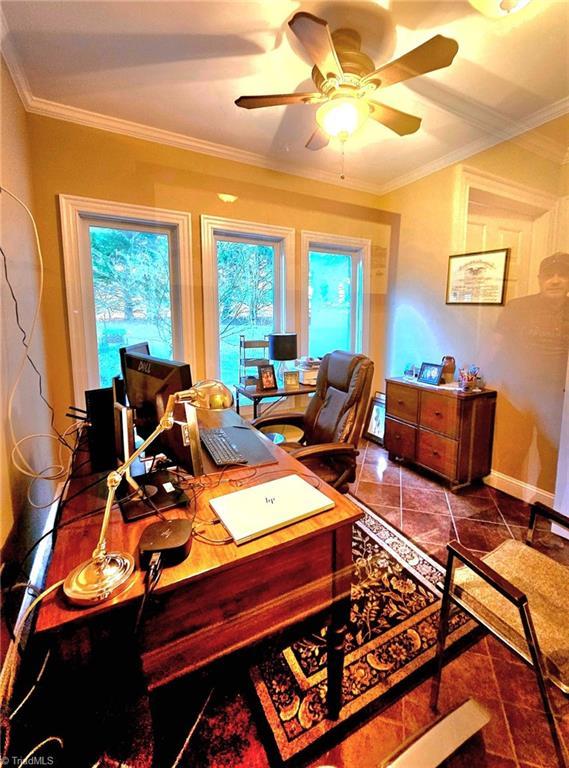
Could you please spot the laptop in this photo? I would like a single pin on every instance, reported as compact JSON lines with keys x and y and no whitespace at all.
{"x":264,"y":508}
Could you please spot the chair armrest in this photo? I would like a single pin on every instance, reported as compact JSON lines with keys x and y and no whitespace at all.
{"x":488,"y":574}
{"x":325,"y":449}
{"x":540,"y":509}
{"x":293,"y":418}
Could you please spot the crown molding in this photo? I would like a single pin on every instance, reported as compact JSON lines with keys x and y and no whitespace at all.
{"x":488,"y":122}
{"x":13,"y":63}
{"x":544,"y":147}
{"x":557,"y":109}
{"x":85,"y":117}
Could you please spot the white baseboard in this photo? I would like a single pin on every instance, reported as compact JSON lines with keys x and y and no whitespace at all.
{"x":518,"y":488}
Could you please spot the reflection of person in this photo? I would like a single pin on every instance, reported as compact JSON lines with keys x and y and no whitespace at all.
{"x":532,"y":335}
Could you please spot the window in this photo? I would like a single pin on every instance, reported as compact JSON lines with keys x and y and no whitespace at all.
{"x":132,"y":292}
{"x":335,"y":293}
{"x":245,"y":297}
{"x":127,"y":280}
{"x":248,"y":288}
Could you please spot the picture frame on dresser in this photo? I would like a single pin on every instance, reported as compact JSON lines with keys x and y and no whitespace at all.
{"x":375,"y":420}
{"x":430,"y":373}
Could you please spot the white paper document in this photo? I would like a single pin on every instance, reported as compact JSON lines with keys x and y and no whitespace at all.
{"x":263,"y":508}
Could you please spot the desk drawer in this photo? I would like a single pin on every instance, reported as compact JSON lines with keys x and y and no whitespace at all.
{"x":439,"y":413}
{"x":437,"y":452}
{"x":402,"y":402}
{"x":399,"y":438}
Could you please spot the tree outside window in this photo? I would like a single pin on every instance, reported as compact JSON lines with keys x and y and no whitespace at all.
{"x":131,"y":283}
{"x":245,"y":298}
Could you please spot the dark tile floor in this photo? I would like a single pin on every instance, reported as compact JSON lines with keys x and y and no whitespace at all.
{"x":480,"y":518}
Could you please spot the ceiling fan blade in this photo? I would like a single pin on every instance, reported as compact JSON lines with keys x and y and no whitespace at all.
{"x":276,"y":99}
{"x":397,"y":121}
{"x":314,"y":34}
{"x":436,"y":53}
{"x":318,"y":140}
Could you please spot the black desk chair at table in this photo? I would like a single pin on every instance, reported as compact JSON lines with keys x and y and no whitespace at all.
{"x":334,"y":419}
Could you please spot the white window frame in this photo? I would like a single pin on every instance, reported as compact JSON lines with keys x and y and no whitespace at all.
{"x":282,"y":239}
{"x":76,"y":212}
{"x":359,"y":249}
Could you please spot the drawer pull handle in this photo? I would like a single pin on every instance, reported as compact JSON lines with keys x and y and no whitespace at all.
{"x":398,"y":437}
{"x":436,"y":453}
{"x":400,"y":402}
{"x":438,"y":413}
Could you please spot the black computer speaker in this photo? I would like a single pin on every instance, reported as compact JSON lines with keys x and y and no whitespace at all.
{"x":101,"y":428}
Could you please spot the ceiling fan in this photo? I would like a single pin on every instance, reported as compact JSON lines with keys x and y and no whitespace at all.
{"x":346,"y":79}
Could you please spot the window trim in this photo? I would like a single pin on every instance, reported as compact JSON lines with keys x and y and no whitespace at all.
{"x":79,"y":280}
{"x":214,"y":227}
{"x":357,"y":247}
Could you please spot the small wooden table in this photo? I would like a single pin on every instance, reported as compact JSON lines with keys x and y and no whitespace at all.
{"x":221,"y":598}
{"x":256,"y":395}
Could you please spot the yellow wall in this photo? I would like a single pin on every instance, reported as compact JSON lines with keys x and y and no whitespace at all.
{"x":29,"y":415}
{"x":75,"y":160}
{"x":422,"y":327}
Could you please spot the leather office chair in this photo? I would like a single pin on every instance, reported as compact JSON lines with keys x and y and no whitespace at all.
{"x":519,"y":594}
{"x":333,"y":421}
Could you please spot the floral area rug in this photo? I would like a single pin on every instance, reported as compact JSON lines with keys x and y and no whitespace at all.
{"x":395,"y":602}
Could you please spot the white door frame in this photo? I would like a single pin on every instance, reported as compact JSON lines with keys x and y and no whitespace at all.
{"x":561,"y":502}
{"x":546,"y":238}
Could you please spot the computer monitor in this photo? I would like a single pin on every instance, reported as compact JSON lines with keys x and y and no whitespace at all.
{"x":142,"y":347}
{"x":149,"y":382}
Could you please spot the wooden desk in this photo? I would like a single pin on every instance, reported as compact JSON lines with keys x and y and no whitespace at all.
{"x":256,"y":395}
{"x":221,"y":598}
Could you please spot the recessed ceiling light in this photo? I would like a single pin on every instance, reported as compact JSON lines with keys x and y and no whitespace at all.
{"x":511,"y":6}
{"x":224,"y":197}
{"x":497,"y":8}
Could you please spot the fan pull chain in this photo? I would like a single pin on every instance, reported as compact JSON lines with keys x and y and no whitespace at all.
{"x":342,"y":174}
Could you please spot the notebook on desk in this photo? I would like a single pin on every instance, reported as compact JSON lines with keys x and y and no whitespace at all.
{"x":264,"y":508}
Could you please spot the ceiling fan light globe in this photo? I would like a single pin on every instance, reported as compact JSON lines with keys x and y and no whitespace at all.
{"x":342,"y":117}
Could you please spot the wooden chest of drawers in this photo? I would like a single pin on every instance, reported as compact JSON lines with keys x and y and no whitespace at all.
{"x":444,"y":430}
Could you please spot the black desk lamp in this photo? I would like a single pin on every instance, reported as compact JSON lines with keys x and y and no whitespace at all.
{"x":282,"y":347}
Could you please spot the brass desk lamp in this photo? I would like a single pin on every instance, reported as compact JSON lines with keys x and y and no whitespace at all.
{"x":107,"y":574}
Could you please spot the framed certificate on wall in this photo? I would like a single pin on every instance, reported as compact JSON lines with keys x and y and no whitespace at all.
{"x":477,"y":278}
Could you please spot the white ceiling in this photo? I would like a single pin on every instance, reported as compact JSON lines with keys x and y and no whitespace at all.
{"x":171,"y":71}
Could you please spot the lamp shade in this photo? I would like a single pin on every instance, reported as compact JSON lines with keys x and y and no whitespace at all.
{"x":282,"y":346}
{"x":211,"y":395}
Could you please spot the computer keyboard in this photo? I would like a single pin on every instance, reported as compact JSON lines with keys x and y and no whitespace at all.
{"x":220,"y":447}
